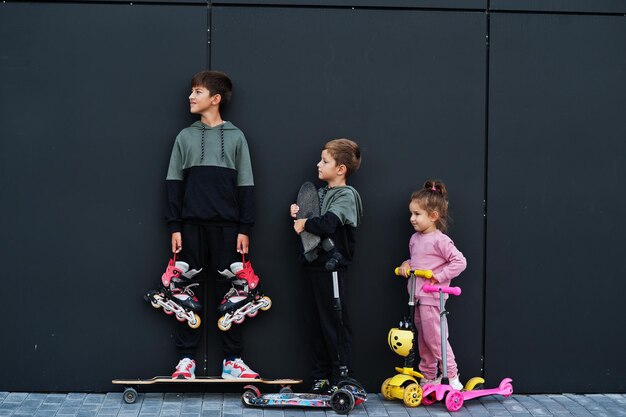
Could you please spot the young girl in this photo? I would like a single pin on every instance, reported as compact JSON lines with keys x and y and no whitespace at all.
{"x":431,"y":249}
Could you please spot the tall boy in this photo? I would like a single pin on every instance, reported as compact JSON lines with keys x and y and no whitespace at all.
{"x":210,"y":210}
{"x":341,"y":210}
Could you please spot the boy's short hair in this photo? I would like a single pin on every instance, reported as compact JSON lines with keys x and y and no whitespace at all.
{"x":346,"y":152}
{"x":216,"y":82}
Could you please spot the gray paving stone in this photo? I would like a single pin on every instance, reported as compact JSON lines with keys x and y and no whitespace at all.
{"x":15,"y":397}
{"x":45,"y":413}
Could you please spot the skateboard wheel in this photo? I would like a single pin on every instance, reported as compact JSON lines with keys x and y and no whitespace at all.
{"x":342,"y":401}
{"x":412,"y":395}
{"x":196,"y":324}
{"x":285,"y":390}
{"x":385,"y":390}
{"x":454,"y":400}
{"x":130,"y":395}
{"x":268,"y":303}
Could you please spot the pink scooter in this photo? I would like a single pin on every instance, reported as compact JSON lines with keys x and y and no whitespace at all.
{"x":454,"y":398}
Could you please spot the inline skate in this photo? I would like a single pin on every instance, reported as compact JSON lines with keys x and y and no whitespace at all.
{"x":245,"y":297}
{"x":175,"y":294}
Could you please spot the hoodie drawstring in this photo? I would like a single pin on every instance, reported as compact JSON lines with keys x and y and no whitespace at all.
{"x":202,"y":143}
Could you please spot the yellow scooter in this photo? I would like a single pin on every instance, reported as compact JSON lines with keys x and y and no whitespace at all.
{"x":405,"y":384}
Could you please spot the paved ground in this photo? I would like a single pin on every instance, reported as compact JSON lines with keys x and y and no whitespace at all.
{"x":229,"y":405}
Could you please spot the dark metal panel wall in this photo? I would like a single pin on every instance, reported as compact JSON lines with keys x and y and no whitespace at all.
{"x":559,"y":6}
{"x":360,"y":4}
{"x":409,"y":86}
{"x":92,"y":96}
{"x":555,"y":203}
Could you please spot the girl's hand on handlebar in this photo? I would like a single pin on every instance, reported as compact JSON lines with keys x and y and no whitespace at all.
{"x":404,"y":269}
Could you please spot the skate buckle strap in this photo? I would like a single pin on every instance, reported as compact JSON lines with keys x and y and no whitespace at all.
{"x":170,"y":272}
{"x":247,"y":273}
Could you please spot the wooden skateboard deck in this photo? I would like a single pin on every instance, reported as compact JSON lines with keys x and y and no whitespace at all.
{"x":130,"y":393}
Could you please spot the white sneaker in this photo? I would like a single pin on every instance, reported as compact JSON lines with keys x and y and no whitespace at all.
{"x":185,"y":369}
{"x":455,"y":383}
{"x":425,"y":381}
{"x":236,"y":369}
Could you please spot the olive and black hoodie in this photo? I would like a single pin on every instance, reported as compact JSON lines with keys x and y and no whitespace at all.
{"x":209,"y":179}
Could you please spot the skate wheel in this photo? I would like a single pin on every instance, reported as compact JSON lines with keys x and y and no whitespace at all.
{"x":268,"y":303}
{"x":454,"y":400}
{"x":239,"y":320}
{"x":342,"y":401}
{"x":253,"y":313}
{"x":412,"y":396}
{"x":130,"y":395}
{"x":197,"y":323}
{"x":222,"y":325}
{"x":385,"y":390}
{"x":168,"y":311}
{"x":181,"y":319}
{"x":431,"y":398}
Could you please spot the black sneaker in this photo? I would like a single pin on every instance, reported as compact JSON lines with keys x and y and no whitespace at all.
{"x":320,"y":386}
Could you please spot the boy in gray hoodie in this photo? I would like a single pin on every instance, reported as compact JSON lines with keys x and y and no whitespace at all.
{"x":341,"y":210}
{"x":210,"y":209}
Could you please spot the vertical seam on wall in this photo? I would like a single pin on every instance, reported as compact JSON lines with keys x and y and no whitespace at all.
{"x":486,"y":176}
{"x":208,"y":32}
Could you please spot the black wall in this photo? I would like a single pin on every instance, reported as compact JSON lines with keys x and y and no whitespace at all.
{"x":519,"y":107}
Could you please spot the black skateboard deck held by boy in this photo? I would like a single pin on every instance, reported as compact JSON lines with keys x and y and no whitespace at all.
{"x":130,"y":391}
{"x":309,"y":204}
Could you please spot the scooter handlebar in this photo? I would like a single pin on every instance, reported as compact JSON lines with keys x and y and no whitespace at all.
{"x":447,"y":290}
{"x":424,"y":273}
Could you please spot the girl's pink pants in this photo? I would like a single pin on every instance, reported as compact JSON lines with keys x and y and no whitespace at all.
{"x":429,"y":342}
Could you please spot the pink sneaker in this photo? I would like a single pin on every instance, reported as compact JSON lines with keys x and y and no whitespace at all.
{"x":236,"y":369}
{"x":185,"y":369}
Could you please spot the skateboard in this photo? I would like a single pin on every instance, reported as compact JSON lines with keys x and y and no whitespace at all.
{"x":309,"y":204}
{"x":130,"y":391}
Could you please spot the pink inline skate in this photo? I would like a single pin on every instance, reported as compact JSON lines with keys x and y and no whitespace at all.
{"x":175,"y":294}
{"x":245,"y":298}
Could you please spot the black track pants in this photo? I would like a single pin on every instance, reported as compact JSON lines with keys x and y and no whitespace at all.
{"x":212,"y":248}
{"x":323,"y":326}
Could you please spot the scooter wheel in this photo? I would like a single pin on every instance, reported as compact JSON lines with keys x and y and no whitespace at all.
{"x":430,"y":398}
{"x":222,"y":325}
{"x":342,"y":401}
{"x":130,"y":395}
{"x":267,"y":302}
{"x":385,"y":390}
{"x":248,"y":397}
{"x":412,"y":395}
{"x":454,"y":400}
{"x":196,"y":324}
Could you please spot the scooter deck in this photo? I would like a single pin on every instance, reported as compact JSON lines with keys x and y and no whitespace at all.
{"x":288,"y":400}
{"x":203,"y":380}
